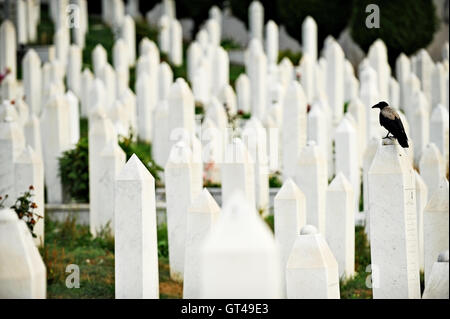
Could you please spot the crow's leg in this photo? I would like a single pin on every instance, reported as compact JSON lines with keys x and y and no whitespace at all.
{"x":387,"y":135}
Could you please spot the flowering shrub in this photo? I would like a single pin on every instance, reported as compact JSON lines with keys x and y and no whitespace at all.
{"x":24,"y":208}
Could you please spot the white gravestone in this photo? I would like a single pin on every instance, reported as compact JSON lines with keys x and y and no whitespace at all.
{"x":289,"y":218}
{"x":239,"y":240}
{"x":201,"y":216}
{"x":136,"y":245}
{"x":29,"y":171}
{"x":311,"y":177}
{"x":23,"y":272}
{"x":294,"y":128}
{"x":438,"y":283}
{"x":435,"y":226}
{"x":432,"y":167}
{"x":237,"y":172}
{"x":181,"y":190}
{"x":393,"y":224}
{"x":312,"y":270}
{"x":340,"y":220}
{"x":421,"y":202}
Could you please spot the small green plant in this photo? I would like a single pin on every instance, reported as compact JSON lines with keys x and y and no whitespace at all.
{"x":230,"y":44}
{"x":24,"y":208}
{"x":163,"y":243}
{"x":275,"y":180}
{"x":74,"y":171}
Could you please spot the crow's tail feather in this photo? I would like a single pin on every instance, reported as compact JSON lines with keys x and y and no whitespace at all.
{"x":403,"y":140}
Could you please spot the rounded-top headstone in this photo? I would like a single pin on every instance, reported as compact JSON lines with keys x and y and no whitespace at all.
{"x":443,"y":257}
{"x":308,"y":230}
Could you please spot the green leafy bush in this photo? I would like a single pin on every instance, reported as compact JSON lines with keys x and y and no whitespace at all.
{"x":405,"y":26}
{"x":143,"y":151}
{"x":295,"y":57}
{"x":331,"y":16}
{"x":74,"y":171}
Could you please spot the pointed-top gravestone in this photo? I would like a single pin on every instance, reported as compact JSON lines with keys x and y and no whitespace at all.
{"x":421,"y":202}
{"x":240,"y":240}
{"x":435,"y":226}
{"x":438,"y":85}
{"x":113,"y":159}
{"x":289,"y":218}
{"x":347,"y":159}
{"x":340,"y":220}
{"x":23,"y":272}
{"x":29,"y":171}
{"x":432,"y":167}
{"x":136,"y":248}
{"x":311,"y":177}
{"x":439,"y":130}
{"x":237,"y":172}
{"x":294,"y":127}
{"x":255,"y":139}
{"x":160,"y":147}
{"x":312,"y":270}
{"x":181,"y":189}
{"x":393,"y":224}
{"x":99,"y":58}
{"x":438,"y":284}
{"x":358,"y":110}
{"x":419,"y":119}
{"x":201,"y":217}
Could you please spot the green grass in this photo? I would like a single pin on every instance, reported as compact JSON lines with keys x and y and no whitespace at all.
{"x":68,"y":243}
{"x":98,"y":33}
{"x":356,"y":288}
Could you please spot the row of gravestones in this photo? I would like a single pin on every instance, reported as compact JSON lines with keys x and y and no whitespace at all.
{"x":238,"y":176}
{"x":222,"y":247}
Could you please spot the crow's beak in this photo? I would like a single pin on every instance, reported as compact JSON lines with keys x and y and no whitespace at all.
{"x":375,"y":106}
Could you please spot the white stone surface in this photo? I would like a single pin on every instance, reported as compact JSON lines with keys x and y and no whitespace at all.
{"x":181,"y":189}
{"x":312,"y":270}
{"x":432,"y":167}
{"x":237,"y":172}
{"x":22,"y":272}
{"x":393,"y":224}
{"x":289,"y":218}
{"x":311,"y":178}
{"x":136,"y":245}
{"x":29,"y":171}
{"x":421,"y":202}
{"x":347,"y":159}
{"x":55,"y":133}
{"x":239,"y":241}
{"x":309,"y":37}
{"x":340,"y":221}
{"x":112,"y":159}
{"x":32,"y":77}
{"x":438,"y":283}
{"x":435,"y":226}
{"x":294,"y":128}
{"x":201,"y":216}
{"x":8,"y":48}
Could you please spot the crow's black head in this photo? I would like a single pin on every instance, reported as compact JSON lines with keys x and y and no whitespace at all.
{"x":381,"y":105}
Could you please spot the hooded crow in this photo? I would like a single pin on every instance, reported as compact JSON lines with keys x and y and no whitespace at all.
{"x":391,"y":121}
